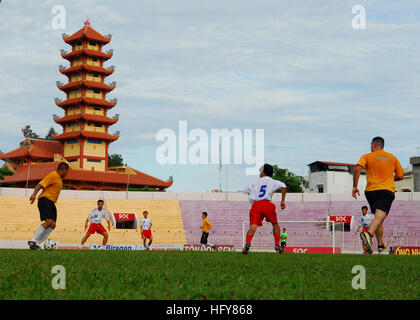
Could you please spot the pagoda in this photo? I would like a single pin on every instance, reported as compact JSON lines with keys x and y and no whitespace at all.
{"x":86,"y":122}
{"x":85,"y":139}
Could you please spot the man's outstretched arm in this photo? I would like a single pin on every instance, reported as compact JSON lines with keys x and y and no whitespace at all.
{"x":356,"y":175}
{"x":36,"y":190}
{"x":283,"y":198}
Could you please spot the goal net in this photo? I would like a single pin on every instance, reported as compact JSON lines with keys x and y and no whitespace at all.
{"x":301,"y":234}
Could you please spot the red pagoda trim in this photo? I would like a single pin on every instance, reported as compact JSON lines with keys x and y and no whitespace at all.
{"x":87,"y":84}
{"x":86,"y":100}
{"x":86,"y":116}
{"x":41,"y":149}
{"x":86,"y":32}
{"x":86,"y":67}
{"x":86,"y":134}
{"x":38,"y":172}
{"x":87,"y":52}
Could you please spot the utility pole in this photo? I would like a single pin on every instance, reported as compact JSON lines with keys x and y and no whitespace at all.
{"x":220,"y":166}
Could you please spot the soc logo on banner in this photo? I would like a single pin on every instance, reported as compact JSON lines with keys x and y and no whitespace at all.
{"x":96,"y":247}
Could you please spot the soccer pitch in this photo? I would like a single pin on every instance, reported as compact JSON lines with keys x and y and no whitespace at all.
{"x":95,"y":275}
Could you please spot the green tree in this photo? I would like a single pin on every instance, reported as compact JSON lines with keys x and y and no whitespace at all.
{"x":51,"y":132}
{"x":294,"y":183}
{"x":29,"y":132}
{"x":5,"y":172}
{"x":115,"y":160}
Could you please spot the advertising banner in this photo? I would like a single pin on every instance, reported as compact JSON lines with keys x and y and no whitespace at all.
{"x":198,"y":247}
{"x":311,"y":250}
{"x":407,"y":251}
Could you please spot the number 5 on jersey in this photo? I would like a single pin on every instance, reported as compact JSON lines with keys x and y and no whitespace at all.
{"x":262,"y":191}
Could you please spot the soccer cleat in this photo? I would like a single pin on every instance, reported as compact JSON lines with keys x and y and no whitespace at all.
{"x":33,"y":245}
{"x":279,"y":249}
{"x":246,"y":248}
{"x":364,"y":249}
{"x":367,"y":241}
{"x":382,"y":248}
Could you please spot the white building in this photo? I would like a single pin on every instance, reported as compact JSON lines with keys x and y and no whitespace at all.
{"x":333,"y":177}
{"x":407,"y":184}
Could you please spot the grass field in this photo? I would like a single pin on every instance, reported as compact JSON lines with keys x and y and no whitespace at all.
{"x":27,"y":274}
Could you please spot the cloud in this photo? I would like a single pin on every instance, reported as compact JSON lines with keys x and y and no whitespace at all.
{"x":318,"y":88}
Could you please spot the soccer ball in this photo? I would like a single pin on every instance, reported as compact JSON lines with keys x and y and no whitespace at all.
{"x":50,"y":244}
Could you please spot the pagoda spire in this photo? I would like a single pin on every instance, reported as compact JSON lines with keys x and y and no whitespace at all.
{"x":85,"y":123}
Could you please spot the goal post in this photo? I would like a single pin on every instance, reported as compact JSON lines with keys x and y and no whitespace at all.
{"x":302,"y":233}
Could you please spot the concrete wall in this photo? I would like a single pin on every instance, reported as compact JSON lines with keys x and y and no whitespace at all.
{"x":222,"y":196}
{"x":415,"y":161}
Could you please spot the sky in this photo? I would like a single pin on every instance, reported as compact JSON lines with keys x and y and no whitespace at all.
{"x":297,"y":69}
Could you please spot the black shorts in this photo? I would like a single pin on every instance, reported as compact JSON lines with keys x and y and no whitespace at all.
{"x":47,"y":209}
{"x":282,"y":243}
{"x":204,"y":237}
{"x":380,"y":199}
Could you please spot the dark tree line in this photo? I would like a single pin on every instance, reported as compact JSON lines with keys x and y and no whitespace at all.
{"x":32,"y":134}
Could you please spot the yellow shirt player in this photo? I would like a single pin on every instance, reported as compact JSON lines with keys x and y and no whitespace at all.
{"x":51,"y":185}
{"x":382,"y":170}
{"x":205,"y":228}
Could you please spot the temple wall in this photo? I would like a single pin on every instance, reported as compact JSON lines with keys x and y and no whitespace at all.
{"x":91,"y":110}
{"x":91,"y":127}
{"x":98,"y":166}
{"x":91,"y":77}
{"x":76,"y":77}
{"x":77,"y":62}
{"x":73,"y":110}
{"x":93,"y":149}
{"x":90,"y":62}
{"x":71,"y":150}
{"x":75,"y":94}
{"x":91,"y":94}
{"x":75,"y":164}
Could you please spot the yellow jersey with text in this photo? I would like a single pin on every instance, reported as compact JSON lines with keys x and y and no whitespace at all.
{"x":380,"y":167}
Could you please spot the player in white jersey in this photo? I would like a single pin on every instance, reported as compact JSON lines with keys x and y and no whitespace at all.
{"x":364,"y":222}
{"x":260,"y":192}
{"x":95,"y":218}
{"x":145,"y":229}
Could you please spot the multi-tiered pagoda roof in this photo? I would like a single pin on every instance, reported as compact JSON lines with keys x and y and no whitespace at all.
{"x":85,"y":139}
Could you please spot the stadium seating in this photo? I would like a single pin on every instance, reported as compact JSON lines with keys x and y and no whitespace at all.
{"x":178,"y":222}
{"x":401,"y":227}
{"x":19,"y":220}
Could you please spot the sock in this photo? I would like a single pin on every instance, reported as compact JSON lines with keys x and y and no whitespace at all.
{"x":45,"y":234}
{"x":38,"y":234}
{"x":248,"y":239}
{"x":277,"y":239}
